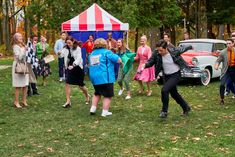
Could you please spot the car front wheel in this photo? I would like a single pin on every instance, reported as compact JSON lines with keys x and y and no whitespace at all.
{"x":206,"y":77}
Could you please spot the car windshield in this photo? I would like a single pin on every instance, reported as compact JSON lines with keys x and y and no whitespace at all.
{"x":199,"y":46}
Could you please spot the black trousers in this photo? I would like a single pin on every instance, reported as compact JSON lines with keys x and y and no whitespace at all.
{"x":169,"y":86}
{"x":32,"y":88}
{"x":229,"y":74}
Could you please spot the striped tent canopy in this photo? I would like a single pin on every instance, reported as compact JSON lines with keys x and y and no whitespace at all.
{"x":94,"y":19}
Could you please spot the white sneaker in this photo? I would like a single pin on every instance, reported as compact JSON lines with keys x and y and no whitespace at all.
{"x":93,"y":110}
{"x":226,"y":94}
{"x":120,"y":91}
{"x":128,"y":97}
{"x":106,"y":113}
{"x":233,"y":96}
{"x":61,"y":79}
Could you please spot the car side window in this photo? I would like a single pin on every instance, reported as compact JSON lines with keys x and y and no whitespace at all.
{"x":219,"y":46}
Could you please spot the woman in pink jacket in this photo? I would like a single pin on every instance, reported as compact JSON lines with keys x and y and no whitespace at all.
{"x":144,"y":75}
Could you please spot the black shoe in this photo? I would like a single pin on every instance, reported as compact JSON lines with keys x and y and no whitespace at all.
{"x":29,"y":94}
{"x":163,"y":114}
{"x":222,"y":102}
{"x":67,"y":105}
{"x":36,"y":93}
{"x":185,"y":113}
{"x":92,"y":113}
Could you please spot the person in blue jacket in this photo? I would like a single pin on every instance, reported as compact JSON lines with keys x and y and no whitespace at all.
{"x":102,"y":75}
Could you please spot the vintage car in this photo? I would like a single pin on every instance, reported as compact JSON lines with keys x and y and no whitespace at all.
{"x":202,"y":58}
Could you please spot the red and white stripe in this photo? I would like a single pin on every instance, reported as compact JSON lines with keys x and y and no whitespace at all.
{"x":94,"y":19}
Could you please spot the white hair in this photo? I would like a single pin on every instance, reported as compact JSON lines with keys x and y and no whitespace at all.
{"x":144,"y":37}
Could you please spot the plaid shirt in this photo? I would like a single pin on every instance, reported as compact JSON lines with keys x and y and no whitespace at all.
{"x":31,"y":57}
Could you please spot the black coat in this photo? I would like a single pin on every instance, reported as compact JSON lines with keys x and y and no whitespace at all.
{"x":156,"y":58}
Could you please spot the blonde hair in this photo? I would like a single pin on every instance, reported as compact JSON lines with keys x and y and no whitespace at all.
{"x":144,"y":37}
{"x":15,"y":39}
{"x":100,"y":43}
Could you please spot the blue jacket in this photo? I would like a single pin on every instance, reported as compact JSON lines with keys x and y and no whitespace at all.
{"x":59,"y":45}
{"x":101,"y":66}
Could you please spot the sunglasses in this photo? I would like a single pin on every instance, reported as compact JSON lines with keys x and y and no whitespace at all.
{"x":229,"y":43}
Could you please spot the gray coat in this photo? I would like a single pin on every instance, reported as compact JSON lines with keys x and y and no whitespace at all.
{"x":223,"y":57}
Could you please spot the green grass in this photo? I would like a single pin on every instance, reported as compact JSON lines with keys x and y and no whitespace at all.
{"x":134,"y":129}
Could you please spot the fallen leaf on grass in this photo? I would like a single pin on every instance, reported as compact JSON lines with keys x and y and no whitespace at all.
{"x":215,"y":123}
{"x":50,"y":149}
{"x":38,"y":153}
{"x":225,"y":150}
{"x":209,"y":134}
{"x":20,"y":145}
{"x":140,"y":106}
{"x":93,"y":139}
{"x":227,"y":117}
{"x":175,"y":138}
{"x":96,"y":122}
{"x":56,"y":141}
{"x":196,"y":138}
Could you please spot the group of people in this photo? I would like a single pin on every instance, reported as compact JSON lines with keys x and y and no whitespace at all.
{"x":109,"y":61}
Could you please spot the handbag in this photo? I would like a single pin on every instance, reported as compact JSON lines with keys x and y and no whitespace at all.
{"x":49,"y":58}
{"x":21,"y":67}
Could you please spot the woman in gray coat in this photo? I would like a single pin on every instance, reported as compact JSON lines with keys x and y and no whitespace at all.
{"x":19,"y":81}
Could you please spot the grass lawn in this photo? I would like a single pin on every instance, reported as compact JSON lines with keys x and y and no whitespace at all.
{"x":134,"y":129}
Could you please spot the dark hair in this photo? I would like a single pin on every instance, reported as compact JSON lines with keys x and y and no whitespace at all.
{"x":32,"y":36}
{"x":63,"y":32}
{"x":91,"y":35}
{"x":123,"y":44}
{"x":229,"y":39}
{"x":75,"y":43}
{"x":168,"y":35}
{"x":162,"y":43}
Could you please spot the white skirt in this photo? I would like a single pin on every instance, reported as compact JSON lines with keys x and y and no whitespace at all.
{"x":19,"y":80}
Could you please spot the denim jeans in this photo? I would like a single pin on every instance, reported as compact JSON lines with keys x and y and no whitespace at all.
{"x":61,"y":67}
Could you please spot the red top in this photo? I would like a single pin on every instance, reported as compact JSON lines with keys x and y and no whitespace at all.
{"x":88,"y":45}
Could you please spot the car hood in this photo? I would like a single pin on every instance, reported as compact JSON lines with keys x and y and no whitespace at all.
{"x":187,"y":56}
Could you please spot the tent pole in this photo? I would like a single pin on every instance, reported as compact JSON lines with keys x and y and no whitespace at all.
{"x":127,"y":36}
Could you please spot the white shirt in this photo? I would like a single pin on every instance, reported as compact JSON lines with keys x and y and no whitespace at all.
{"x":77,"y":54}
{"x":169,"y":66}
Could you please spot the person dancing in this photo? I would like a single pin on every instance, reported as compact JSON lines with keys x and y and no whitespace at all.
{"x":170,"y":62}
{"x":144,"y":75}
{"x":74,"y":69}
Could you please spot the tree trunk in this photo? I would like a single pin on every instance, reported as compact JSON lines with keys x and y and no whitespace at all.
{"x":7,"y":27}
{"x":25,"y":24}
{"x":1,"y":33}
{"x":1,"y":23}
{"x":136,"y":38}
{"x":39,"y":26}
{"x":187,"y":16}
{"x":209,"y":9}
{"x":228,"y":30}
{"x":173,"y":40}
{"x":221,"y":32}
{"x":13,"y":21}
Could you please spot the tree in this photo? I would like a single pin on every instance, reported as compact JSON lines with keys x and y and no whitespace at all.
{"x":220,"y":12}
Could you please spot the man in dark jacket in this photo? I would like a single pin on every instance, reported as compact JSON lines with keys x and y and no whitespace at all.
{"x":169,"y":61}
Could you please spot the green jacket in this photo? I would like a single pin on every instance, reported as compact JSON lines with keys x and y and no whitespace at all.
{"x":127,"y":59}
{"x":39,"y":49}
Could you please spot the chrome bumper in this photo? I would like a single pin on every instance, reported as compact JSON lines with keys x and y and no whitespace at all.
{"x":192,"y":73}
